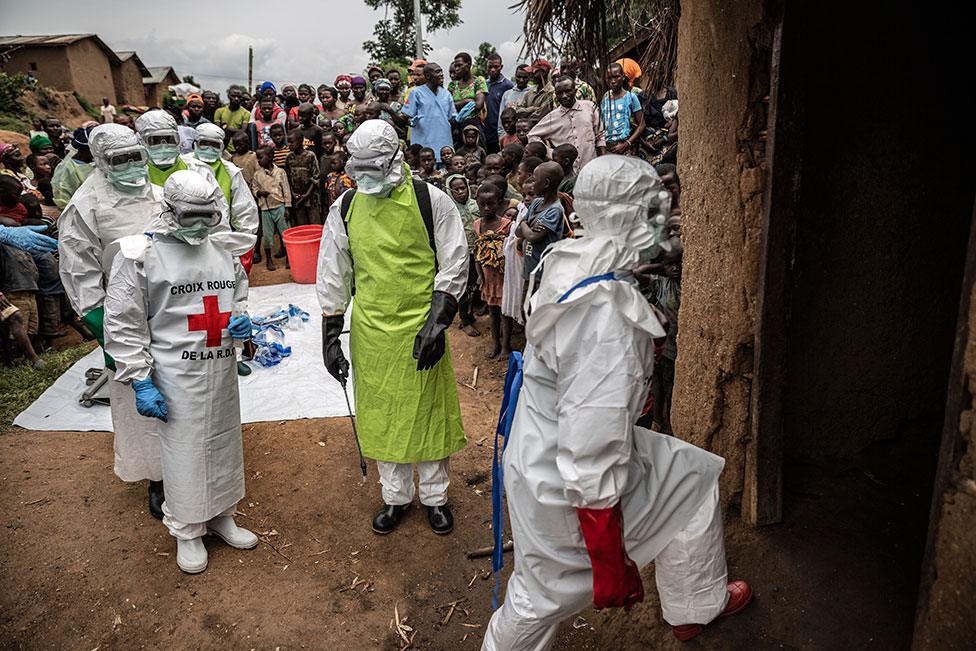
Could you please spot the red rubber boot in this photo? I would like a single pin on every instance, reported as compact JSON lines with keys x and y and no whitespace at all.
{"x":740,"y":594}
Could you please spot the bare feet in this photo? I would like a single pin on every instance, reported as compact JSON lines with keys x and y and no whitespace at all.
{"x":495,"y":350}
{"x":506,"y":353}
{"x":470,"y":330}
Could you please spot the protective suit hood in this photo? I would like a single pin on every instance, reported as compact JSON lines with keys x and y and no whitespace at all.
{"x":114,"y":141}
{"x":209,"y":142}
{"x":375,"y":160}
{"x":186,"y":193}
{"x":159,"y":123}
{"x":622,"y":196}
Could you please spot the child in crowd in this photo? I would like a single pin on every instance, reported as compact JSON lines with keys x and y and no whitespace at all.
{"x":280,"y":144}
{"x":508,"y":120}
{"x":471,"y":147}
{"x":472,"y":172}
{"x":522,"y":128}
{"x":412,"y":156}
{"x":263,"y":121}
{"x":19,"y":278}
{"x":40,"y":166}
{"x":512,"y":154}
{"x":270,"y":187}
{"x":337,"y":181}
{"x":247,"y":161}
{"x":456,"y":165}
{"x":460,"y":193}
{"x":302,"y":168}
{"x":447,"y":153}
{"x":618,"y":109}
{"x":525,"y":170}
{"x":428,"y":171}
{"x":566,"y":155}
{"x":537,"y":149}
{"x":543,"y":224}
{"x":309,"y":130}
{"x":492,"y":227}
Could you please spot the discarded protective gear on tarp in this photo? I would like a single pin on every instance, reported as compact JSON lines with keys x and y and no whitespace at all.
{"x":269,"y":334}
{"x":99,"y":214}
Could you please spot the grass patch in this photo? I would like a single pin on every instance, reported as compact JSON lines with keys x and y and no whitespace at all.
{"x":17,"y":124}
{"x":21,"y":385}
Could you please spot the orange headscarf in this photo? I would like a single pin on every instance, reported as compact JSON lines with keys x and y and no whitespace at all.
{"x":632,"y":69}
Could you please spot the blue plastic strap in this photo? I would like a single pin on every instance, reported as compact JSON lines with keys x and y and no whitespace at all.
{"x":513,"y":384}
{"x":585,"y":282}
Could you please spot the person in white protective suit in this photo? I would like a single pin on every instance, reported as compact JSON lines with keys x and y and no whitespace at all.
{"x":401,"y":243}
{"x":243,"y":211}
{"x":114,"y":201}
{"x":593,"y":498}
{"x":157,"y":131}
{"x":173,"y":306}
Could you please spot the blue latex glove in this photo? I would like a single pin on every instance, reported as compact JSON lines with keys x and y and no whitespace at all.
{"x":240,"y":327}
{"x":149,"y":401}
{"x":466,"y":111}
{"x":28,"y":238}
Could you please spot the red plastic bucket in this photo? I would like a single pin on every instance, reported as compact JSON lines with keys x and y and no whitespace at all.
{"x":302,"y":244}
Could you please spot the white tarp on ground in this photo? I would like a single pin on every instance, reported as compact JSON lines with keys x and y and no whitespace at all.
{"x":298,"y":387}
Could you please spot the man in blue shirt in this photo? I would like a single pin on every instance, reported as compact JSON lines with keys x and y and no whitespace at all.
{"x":497,"y":85}
{"x":430,"y":109}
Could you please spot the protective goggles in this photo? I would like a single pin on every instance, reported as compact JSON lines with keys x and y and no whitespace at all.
{"x":188,"y":214}
{"x":208,"y":142}
{"x":125,"y":158}
{"x":165,"y":138}
{"x":377,"y":167}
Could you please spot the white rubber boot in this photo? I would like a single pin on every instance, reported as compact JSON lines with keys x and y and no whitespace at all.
{"x":191,"y":555}
{"x":224,"y":527}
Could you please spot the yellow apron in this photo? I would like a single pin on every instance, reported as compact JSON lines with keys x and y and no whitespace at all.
{"x":404,"y":415}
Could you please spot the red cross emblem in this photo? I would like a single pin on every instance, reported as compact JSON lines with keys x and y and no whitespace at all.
{"x":212,"y":320}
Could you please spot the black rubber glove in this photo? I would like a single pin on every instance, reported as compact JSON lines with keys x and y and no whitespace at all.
{"x":429,"y":346}
{"x":335,"y":361}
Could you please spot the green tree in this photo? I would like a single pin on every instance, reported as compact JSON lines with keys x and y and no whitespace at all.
{"x":394,"y":38}
{"x":480,"y":67}
{"x":188,"y":79}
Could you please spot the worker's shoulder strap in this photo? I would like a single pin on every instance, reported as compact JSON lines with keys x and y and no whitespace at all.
{"x":587,"y":281}
{"x":422,"y":190}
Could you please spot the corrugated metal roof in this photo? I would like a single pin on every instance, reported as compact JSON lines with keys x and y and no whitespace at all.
{"x":157,"y":74}
{"x":55,"y":40}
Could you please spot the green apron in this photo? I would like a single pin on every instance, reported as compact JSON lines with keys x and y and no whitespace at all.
{"x":158,"y":177}
{"x":223,"y":178}
{"x":403,"y":415}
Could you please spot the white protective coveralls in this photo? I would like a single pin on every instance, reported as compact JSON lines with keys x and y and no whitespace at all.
{"x":97,"y":216}
{"x":574,"y":445}
{"x":243,"y":215}
{"x":160,"y":123}
{"x":397,"y":443}
{"x":167,"y":308}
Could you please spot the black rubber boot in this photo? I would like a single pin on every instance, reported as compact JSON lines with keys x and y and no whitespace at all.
{"x":156,"y":497}
{"x":440,"y":519}
{"x":387,"y":518}
{"x":268,"y":261}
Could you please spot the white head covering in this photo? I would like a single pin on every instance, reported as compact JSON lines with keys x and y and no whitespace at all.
{"x":154,"y":122}
{"x":375,"y":160}
{"x":108,"y":139}
{"x":622,"y":196}
{"x":186,"y":190}
{"x":210,"y":131}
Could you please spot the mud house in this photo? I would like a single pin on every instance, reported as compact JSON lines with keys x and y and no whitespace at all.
{"x":128,"y":74}
{"x":80,"y":63}
{"x":157,"y":82}
{"x":827,"y":328}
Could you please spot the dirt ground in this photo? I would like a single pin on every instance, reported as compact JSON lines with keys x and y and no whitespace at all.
{"x":84,"y":566}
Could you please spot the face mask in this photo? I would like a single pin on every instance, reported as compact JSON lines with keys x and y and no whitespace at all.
{"x":208,"y":154}
{"x":195,"y":234}
{"x":133,"y":176}
{"x":373,"y":186}
{"x":164,"y":154}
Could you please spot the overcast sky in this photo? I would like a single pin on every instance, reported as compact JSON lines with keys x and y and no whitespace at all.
{"x":294,"y":40}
